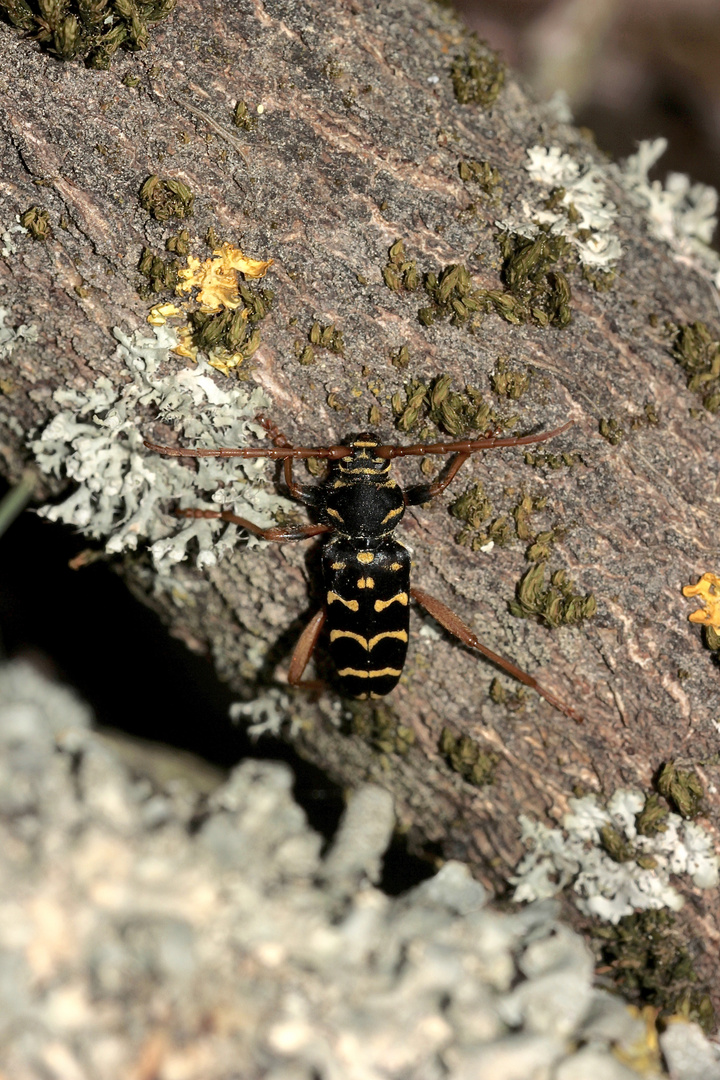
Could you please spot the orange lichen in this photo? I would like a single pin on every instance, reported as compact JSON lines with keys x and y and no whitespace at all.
{"x":708,"y":589}
{"x":217,"y":278}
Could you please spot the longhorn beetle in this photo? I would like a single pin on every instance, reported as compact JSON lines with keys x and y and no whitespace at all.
{"x":366,"y":570}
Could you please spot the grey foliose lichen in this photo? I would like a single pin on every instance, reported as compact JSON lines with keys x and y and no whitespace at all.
{"x":140,"y":938}
{"x":124,"y":492}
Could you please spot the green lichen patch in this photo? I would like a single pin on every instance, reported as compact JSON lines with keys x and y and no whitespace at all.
{"x":474,"y":509}
{"x":513,"y":702}
{"x":37,"y":222}
{"x":646,"y":959}
{"x":712,"y":638}
{"x":536,"y":286}
{"x":465,"y":756}
{"x":166,"y":199}
{"x":522,"y":511}
{"x":400,"y":273}
{"x":652,"y":819}
{"x":305,"y":353}
{"x":697,"y":352}
{"x":452,"y":296}
{"x":231,"y":336}
{"x":89,"y":30}
{"x":615,"y":844}
{"x":478,"y":76}
{"x":556,"y":604}
{"x":682,"y":788}
{"x":180,"y":243}
{"x":160,"y":275}
{"x":507,"y":382}
{"x":327,"y":337}
{"x":610,"y":429}
{"x":243,"y":118}
{"x":399,"y":358}
{"x":481,"y":173}
{"x":544,"y":459}
{"x":454,"y":413}
{"x":378,"y":725}
{"x":601,"y":280}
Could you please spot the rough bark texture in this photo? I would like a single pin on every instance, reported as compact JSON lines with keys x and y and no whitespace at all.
{"x":357,"y":145}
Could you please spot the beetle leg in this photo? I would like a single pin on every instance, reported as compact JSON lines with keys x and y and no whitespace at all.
{"x":455,"y":626}
{"x":281,"y":534}
{"x":305,"y":648}
{"x":422,"y":493}
{"x":304,"y":493}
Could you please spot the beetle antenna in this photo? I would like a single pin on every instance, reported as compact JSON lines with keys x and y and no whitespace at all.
{"x":275,"y":452}
{"x":468,"y":446}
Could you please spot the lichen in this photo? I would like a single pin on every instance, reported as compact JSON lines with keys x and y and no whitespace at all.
{"x":478,"y":76}
{"x":37,"y":222}
{"x":166,"y":199}
{"x":708,"y":589}
{"x":481,"y":173}
{"x":575,"y":857}
{"x":679,"y":212}
{"x":649,"y":963}
{"x":577,"y":210}
{"x":123,"y":492}
{"x":697,"y":350}
{"x":465,"y":756}
{"x":400,"y":273}
{"x":452,"y":412}
{"x":243,"y":118}
{"x":221,"y":316}
{"x":534,"y":274}
{"x":557,"y":604}
{"x":91,"y":30}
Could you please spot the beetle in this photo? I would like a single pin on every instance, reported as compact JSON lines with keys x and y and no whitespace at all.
{"x":366,"y":570}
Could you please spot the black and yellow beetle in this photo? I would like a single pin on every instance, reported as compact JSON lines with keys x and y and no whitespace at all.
{"x":366,"y":570}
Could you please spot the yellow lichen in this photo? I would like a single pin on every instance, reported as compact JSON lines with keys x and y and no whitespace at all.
{"x":708,"y":589}
{"x":216,"y":291}
{"x":216,"y":278}
{"x":160,"y":314}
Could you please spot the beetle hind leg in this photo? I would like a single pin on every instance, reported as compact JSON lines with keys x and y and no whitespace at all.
{"x":455,"y":626}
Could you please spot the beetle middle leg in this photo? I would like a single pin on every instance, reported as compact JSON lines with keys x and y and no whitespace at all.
{"x":280,"y":534}
{"x":455,"y":626}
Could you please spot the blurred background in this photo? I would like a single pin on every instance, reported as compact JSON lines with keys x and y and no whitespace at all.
{"x":631,"y":69}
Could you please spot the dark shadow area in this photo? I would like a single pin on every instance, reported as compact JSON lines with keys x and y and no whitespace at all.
{"x":84,"y":627}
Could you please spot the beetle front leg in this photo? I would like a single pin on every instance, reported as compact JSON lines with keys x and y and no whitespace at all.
{"x":422,"y":493}
{"x":455,"y":626}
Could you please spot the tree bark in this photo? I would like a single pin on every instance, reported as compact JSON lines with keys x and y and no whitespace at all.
{"x":358,"y":144}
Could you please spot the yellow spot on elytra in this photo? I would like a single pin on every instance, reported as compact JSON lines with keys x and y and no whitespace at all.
{"x":399,"y":598}
{"x":338,"y":565}
{"x":396,"y":566}
{"x":366,"y":583}
{"x":365,"y":557}
{"x":708,"y":589}
{"x":334,"y":513}
{"x":335,"y":634}
{"x":378,"y":674}
{"x":392,"y":513}
{"x":401,"y":635}
{"x":333,"y":596}
{"x":339,"y":484}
